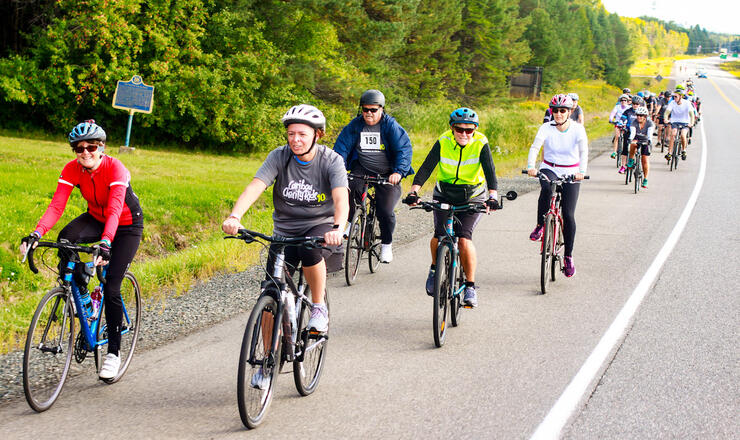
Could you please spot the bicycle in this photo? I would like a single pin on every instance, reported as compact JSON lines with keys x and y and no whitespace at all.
{"x":51,"y":340}
{"x":638,"y":172}
{"x":364,"y":232}
{"x":677,"y":149}
{"x":449,"y":280}
{"x":620,"y":144}
{"x":552,"y":237}
{"x":267,"y":345}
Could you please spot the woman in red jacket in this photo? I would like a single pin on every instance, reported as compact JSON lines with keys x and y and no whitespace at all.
{"x":113,"y":219}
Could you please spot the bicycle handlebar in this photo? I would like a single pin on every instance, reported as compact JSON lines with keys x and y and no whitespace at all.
{"x":369,"y":178}
{"x":66,"y":246}
{"x":440,"y":206}
{"x":569,"y":178}
{"x":250,"y":236}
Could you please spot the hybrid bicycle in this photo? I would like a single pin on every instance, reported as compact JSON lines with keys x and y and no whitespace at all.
{"x":551,"y":257}
{"x":364,"y":232}
{"x":277,"y":332}
{"x":52,"y":339}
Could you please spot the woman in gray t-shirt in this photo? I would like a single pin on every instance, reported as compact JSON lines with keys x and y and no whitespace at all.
{"x":310,"y":196}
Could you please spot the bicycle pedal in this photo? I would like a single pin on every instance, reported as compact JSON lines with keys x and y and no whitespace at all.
{"x":318,"y":334}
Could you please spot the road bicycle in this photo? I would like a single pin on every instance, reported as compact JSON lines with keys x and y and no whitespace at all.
{"x":449,"y":280}
{"x":277,"y":332}
{"x":636,"y":172}
{"x":364,"y":232}
{"x":677,"y":149}
{"x":552,"y":237}
{"x":51,"y":340}
{"x":620,"y":144}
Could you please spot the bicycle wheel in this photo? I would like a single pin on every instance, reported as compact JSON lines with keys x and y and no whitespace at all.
{"x":307,"y":366}
{"x":442,"y":282}
{"x":456,"y":300}
{"x":546,"y":260}
{"x":638,"y":172}
{"x":627,"y":175}
{"x":354,"y":248}
{"x":48,"y":350}
{"x":373,"y":239}
{"x":130,"y":324}
{"x":256,"y":356}
{"x":557,"y":261}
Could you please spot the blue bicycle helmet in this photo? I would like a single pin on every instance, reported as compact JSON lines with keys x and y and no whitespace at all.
{"x":464,"y":115}
{"x":86,"y":131}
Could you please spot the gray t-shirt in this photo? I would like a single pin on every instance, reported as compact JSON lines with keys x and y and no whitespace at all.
{"x":371,"y":152}
{"x":302,"y":193}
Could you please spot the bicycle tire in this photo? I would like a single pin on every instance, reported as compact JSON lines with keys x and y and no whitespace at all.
{"x":638,"y":172}
{"x":627,"y":175}
{"x":557,"y":260}
{"x":130,"y":325}
{"x":441,"y":294}
{"x":253,"y":403}
{"x":373,"y":253}
{"x":353,"y":255}
{"x":308,"y":367}
{"x":456,"y":301}
{"x":44,"y":372}
{"x":546,"y":260}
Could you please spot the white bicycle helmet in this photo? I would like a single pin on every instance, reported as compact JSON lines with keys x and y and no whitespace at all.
{"x":305,"y":114}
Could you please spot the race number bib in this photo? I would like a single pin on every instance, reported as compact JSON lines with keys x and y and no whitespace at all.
{"x":370,"y":141}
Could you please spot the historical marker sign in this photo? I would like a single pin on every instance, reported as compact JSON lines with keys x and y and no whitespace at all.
{"x":134,"y":96}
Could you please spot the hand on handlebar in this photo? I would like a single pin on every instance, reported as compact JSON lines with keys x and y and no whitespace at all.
{"x":231,"y":225}
{"x":394,"y":178}
{"x":579,"y":176}
{"x":101,"y":253}
{"x":492,"y":204}
{"x":412,"y":199}
{"x":532,"y":172}
{"x":333,"y":237}
{"x":28,"y":243}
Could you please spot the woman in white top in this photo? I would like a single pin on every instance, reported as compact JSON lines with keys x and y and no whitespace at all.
{"x":565,"y":153}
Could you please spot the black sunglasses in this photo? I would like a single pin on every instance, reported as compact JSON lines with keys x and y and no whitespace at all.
{"x":560,"y":110}
{"x":464,"y":130}
{"x":370,"y":110}
{"x":91,"y":148}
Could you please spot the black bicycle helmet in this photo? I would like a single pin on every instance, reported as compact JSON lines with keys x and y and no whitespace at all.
{"x":372,"y":97}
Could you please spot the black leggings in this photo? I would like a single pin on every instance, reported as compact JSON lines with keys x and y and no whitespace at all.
{"x":86,"y":229}
{"x":567,"y":208}
{"x":386,"y":198}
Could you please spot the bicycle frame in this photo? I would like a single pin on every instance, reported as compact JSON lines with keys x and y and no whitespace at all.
{"x":450,"y":240}
{"x":556,"y":190}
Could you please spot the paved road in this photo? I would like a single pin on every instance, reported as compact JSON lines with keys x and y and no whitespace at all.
{"x":675,"y":375}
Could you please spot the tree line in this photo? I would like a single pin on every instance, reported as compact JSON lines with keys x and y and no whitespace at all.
{"x":225,"y":70}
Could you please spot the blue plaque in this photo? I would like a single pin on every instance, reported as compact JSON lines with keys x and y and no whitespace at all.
{"x":134,"y":96}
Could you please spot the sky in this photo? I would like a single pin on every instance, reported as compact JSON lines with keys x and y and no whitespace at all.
{"x":722,"y":16}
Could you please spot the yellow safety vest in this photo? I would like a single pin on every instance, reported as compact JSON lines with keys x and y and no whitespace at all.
{"x":461,"y":165}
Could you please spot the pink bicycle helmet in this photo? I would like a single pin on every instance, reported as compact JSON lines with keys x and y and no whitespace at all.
{"x":561,"y":101}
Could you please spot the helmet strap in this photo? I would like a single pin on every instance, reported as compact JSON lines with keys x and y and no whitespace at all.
{"x":313,"y":144}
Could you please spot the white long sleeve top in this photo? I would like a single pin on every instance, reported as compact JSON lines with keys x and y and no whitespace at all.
{"x":565,"y":152}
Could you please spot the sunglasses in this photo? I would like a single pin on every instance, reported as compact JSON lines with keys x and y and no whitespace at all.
{"x":624,"y":100}
{"x":559,"y":110}
{"x":464,"y":130}
{"x":91,"y":148}
{"x":370,"y":110}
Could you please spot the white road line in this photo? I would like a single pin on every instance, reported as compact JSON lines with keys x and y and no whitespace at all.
{"x":568,"y":403}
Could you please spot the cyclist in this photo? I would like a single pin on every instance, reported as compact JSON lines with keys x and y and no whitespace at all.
{"x":374,"y":143}
{"x":577,"y":114}
{"x":680,"y":115}
{"x":565,"y":152}
{"x":628,"y":118}
{"x":641,"y":131}
{"x":464,"y":162}
{"x":615,"y":117}
{"x":310,"y":198}
{"x":661,"y":105}
{"x":113,"y":219}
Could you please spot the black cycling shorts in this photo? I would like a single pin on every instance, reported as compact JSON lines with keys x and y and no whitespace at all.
{"x":463,"y":225}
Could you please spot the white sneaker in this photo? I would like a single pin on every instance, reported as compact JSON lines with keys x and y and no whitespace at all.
{"x":386,"y":253}
{"x":319,"y":318}
{"x":259,"y":380}
{"x":111,"y":364}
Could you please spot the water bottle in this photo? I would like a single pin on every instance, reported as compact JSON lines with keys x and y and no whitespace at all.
{"x":82,"y":276}
{"x":96,"y":296}
{"x":85,"y":300}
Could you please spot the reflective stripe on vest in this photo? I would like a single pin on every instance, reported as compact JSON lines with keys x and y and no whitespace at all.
{"x":461,"y":166}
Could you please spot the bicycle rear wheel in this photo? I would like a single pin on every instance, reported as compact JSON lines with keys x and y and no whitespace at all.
{"x":130,"y":324}
{"x":309,"y":364}
{"x":354,"y":248}
{"x":373,"y":239}
{"x":256,"y":357}
{"x":547,"y":257}
{"x":48,"y":350}
{"x":442,"y":281}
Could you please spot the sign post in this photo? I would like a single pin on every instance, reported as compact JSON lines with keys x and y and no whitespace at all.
{"x":134,"y":96}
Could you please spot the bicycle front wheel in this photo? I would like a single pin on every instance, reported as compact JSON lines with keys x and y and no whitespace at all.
{"x":308,"y":365}
{"x":353,"y":253}
{"x":548,"y":248}
{"x":49,"y":348}
{"x":456,"y":300}
{"x":442,"y":281}
{"x":130,"y":324}
{"x":373,"y":239}
{"x":258,"y":366}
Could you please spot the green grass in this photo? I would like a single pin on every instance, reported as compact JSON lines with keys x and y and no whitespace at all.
{"x":731,"y":66}
{"x":185,"y":196}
